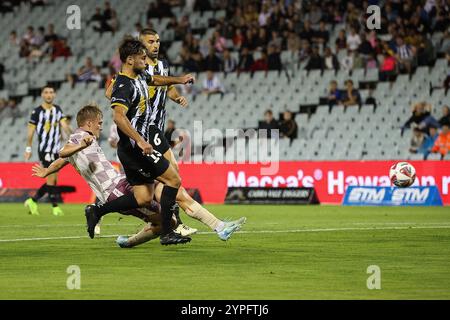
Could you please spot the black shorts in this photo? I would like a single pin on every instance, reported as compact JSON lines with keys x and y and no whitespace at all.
{"x":157,"y":139}
{"x":140,"y":169}
{"x":46,"y":158}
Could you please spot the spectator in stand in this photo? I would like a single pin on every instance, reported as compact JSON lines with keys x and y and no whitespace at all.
{"x":445,"y":119}
{"x":97,"y":18}
{"x":419,"y":113}
{"x":245,"y":60}
{"x":50,"y":35}
{"x":229,"y":64}
{"x":108,"y":11}
{"x":212,"y":85}
{"x":388,"y":68}
{"x":24,"y":50}
{"x":261,"y":40}
{"x":273,"y":59}
{"x":341,"y":41}
{"x":114,"y":22}
{"x":429,"y":141}
{"x":288,"y":126}
{"x":86,"y":72}
{"x":14,"y":41}
{"x":404,"y":54}
{"x":330,"y":60}
{"x":350,"y":96}
{"x":334,"y":94}
{"x":137,"y":30}
{"x":238,"y":39}
{"x":276,"y":41}
{"x":264,"y":15}
{"x":307,"y":33}
{"x":219,"y":42}
{"x":59,"y":48}
{"x":353,"y":40}
{"x":268,"y":124}
{"x":322,"y":35}
{"x":347,"y":62}
{"x":372,"y":61}
{"x":305,"y":51}
{"x":442,"y":143}
{"x":417,"y":140}
{"x":260,"y":64}
{"x":212,"y":61}
{"x":29,"y":35}
{"x":39,"y":39}
{"x":365,"y":48}
{"x":315,"y":61}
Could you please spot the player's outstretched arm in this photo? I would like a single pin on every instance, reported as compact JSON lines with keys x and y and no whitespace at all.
{"x":175,"y":96}
{"x":55,"y":166}
{"x":70,"y":149}
{"x":167,"y":81}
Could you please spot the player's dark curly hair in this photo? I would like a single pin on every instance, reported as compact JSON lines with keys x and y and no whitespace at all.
{"x":130,"y":47}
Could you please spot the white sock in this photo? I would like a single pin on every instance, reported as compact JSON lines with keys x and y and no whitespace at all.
{"x":220,"y":226}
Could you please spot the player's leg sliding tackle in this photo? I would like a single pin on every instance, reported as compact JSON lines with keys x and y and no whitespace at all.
{"x":150,"y":231}
{"x":224,"y":229}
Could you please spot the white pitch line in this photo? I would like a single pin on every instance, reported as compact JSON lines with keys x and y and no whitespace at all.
{"x":252,"y":232}
{"x":63,"y":225}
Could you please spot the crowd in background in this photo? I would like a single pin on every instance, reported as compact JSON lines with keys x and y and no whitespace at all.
{"x":253,"y":35}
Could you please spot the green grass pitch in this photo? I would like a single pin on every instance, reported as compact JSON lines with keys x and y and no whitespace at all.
{"x":282,"y":252}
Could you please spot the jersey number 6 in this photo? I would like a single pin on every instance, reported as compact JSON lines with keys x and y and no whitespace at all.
{"x":157,"y":140}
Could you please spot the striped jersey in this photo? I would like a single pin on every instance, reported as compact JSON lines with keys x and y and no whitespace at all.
{"x":48,"y":127}
{"x":92,"y":165}
{"x":158,"y":94}
{"x":133,"y":95}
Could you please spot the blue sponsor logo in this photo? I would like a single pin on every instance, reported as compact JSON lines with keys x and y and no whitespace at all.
{"x":392,"y":196}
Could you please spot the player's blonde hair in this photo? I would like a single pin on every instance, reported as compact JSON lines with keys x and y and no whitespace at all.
{"x":88,"y":112}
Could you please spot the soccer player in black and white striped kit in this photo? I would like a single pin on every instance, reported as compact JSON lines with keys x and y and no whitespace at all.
{"x":46,"y":121}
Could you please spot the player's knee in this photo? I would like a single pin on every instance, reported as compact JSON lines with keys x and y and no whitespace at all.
{"x":143,"y":201}
{"x":174,"y":181}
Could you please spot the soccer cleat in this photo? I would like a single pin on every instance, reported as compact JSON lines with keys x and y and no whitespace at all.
{"x":97,"y":230}
{"x":92,"y":218}
{"x":122,"y":241}
{"x":231,"y":227}
{"x":57,"y":211}
{"x":32,"y":207}
{"x":173,"y":238}
{"x":184,"y":230}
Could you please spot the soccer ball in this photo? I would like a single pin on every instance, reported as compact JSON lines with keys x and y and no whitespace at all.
{"x":402,"y":174}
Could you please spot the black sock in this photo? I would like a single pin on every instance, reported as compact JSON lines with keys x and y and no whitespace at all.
{"x":168,"y":201}
{"x":53,"y":195}
{"x":40,"y":193}
{"x":123,"y":203}
{"x":176,"y":212}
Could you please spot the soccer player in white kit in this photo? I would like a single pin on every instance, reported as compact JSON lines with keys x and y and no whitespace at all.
{"x":84,"y":153}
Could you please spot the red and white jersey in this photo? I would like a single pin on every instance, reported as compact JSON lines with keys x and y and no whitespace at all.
{"x":92,"y":165}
